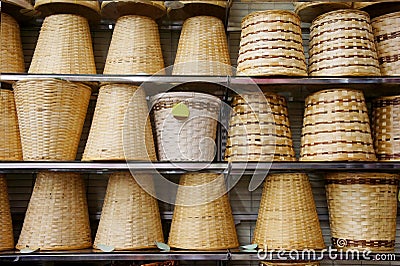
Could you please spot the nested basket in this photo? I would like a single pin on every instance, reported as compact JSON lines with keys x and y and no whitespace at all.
{"x":116,"y":9}
{"x":259,"y":129}
{"x":271,"y":44}
{"x":362,"y":210}
{"x":202,"y":217}
{"x":387,"y":38}
{"x":287,"y":218}
{"x":90,"y":9}
{"x":309,"y":263}
{"x":130,"y":218}
{"x":187,"y":137}
{"x":342,"y":44}
{"x":202,"y":48}
{"x":308,"y":11}
{"x":336,"y":127}
{"x":6,"y":228}
{"x":57,"y":217}
{"x":51,"y":114}
{"x":12,"y":58}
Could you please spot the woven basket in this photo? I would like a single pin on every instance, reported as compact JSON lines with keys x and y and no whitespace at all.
{"x":271,"y":44}
{"x":378,"y":8}
{"x":135,"y":47}
{"x":259,"y":129}
{"x":57,"y":217}
{"x":10,"y":142}
{"x":198,"y":8}
{"x":387,"y":38}
{"x":186,"y":138}
{"x":336,"y":127}
{"x":310,"y":263}
{"x":12,"y":58}
{"x":130,"y":218}
{"x":116,"y":9}
{"x":51,"y":114}
{"x":118,"y":131}
{"x":288,"y":218}
{"x":6,"y":228}
{"x":90,"y":9}
{"x":342,"y":44}
{"x":208,"y":226}
{"x":308,"y":11}
{"x":202,"y":48}
{"x":362,"y":210}
{"x":64,"y":47}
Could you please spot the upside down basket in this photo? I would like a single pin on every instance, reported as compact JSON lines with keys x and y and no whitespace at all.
{"x":6,"y":228}
{"x":12,"y":58}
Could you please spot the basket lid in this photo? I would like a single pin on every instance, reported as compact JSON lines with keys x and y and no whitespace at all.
{"x":116,"y":9}
{"x":189,"y":9}
{"x":90,"y":9}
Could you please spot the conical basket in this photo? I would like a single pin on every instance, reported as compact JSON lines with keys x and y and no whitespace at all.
{"x":6,"y":228}
{"x":64,"y":46}
{"x":202,"y":226}
{"x":309,"y":263}
{"x":342,"y":44}
{"x":116,"y":9}
{"x":362,"y":210}
{"x":51,"y":114}
{"x":90,"y":9}
{"x":271,"y":44}
{"x":336,"y":127}
{"x":288,"y":218}
{"x":202,"y":48}
{"x":308,"y":11}
{"x":12,"y":58}
{"x":259,"y":129}
{"x":57,"y":217}
{"x":121,"y":126}
{"x":130,"y":217}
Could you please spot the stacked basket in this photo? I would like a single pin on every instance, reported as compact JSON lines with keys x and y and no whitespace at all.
{"x":6,"y":228}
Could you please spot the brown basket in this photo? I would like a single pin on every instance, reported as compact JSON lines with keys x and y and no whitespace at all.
{"x":197,"y":8}
{"x":308,"y":11}
{"x":116,"y":9}
{"x":342,"y":44}
{"x":387,"y":38}
{"x":121,"y":127}
{"x":130,"y":218}
{"x":309,"y":263}
{"x":64,"y":46}
{"x":6,"y":228}
{"x":51,"y":114}
{"x":288,"y":218}
{"x":202,"y":48}
{"x":259,"y":129}
{"x":186,"y":138}
{"x":90,"y":9}
{"x":378,"y":8}
{"x":12,"y":58}
{"x":362,"y":210}
{"x":57,"y":217}
{"x":336,"y":127}
{"x":208,"y":226}
{"x":21,"y":10}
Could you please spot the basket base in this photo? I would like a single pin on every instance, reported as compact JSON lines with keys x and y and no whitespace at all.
{"x":114,"y":10}
{"x":68,"y":8}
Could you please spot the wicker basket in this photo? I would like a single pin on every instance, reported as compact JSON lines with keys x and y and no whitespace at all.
{"x":12,"y":58}
{"x":198,"y":8}
{"x":288,"y":218}
{"x":118,"y":131}
{"x":6,"y":228}
{"x":378,"y":8}
{"x":309,"y":263}
{"x":202,"y":48}
{"x":64,"y":46}
{"x":186,"y":138}
{"x":90,"y":9}
{"x":336,"y":127}
{"x":362,"y":210}
{"x":259,"y":129}
{"x":208,"y":226}
{"x":57,"y":217}
{"x":387,"y":38}
{"x":116,"y":9}
{"x":130,"y":217}
{"x":51,"y":114}
{"x":342,"y":44}
{"x":308,"y":11}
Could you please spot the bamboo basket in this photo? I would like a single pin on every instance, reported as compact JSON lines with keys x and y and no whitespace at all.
{"x":271,"y":44}
{"x":186,"y":138}
{"x":89,"y":9}
{"x":259,"y":129}
{"x":308,"y":11}
{"x":378,"y":8}
{"x":121,"y":126}
{"x":202,"y":48}
{"x":6,"y":228}
{"x":57,"y":217}
{"x":288,"y":218}
{"x":309,"y":263}
{"x":362,"y":210}
{"x":51,"y":114}
{"x":116,"y":9}
{"x":336,"y":127}
{"x":342,"y":44}
{"x":387,"y":38}
{"x":12,"y":58}
{"x":130,"y":218}
{"x":202,"y":226}
{"x":190,"y":9}
{"x":64,"y":46}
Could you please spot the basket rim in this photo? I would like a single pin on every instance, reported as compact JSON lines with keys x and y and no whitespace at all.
{"x":268,"y":12}
{"x":108,"y":6}
{"x":386,"y":98}
{"x":348,"y":10}
{"x":185,"y":95}
{"x":386,"y":16}
{"x":333,"y":90}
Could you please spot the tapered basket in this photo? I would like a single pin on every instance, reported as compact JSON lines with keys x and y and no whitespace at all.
{"x":57,"y":217}
{"x":116,"y":9}
{"x":308,"y":11}
{"x":202,"y":217}
{"x":362,"y":210}
{"x":259,"y":129}
{"x":51,"y":114}
{"x":188,"y":9}
{"x":309,"y":263}
{"x":6,"y":228}
{"x":342,"y":44}
{"x":287,"y":218}
{"x":271,"y":44}
{"x":130,"y":218}
{"x":12,"y":58}
{"x":336,"y":127}
{"x":89,"y":9}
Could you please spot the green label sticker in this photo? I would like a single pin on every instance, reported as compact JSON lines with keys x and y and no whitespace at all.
{"x":180,"y":111}
{"x":398,"y":197}
{"x":28,"y":250}
{"x":105,"y":248}
{"x":162,"y":246}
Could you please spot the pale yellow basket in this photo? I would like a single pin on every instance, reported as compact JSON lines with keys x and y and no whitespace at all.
{"x":6,"y":228}
{"x":12,"y":58}
{"x":89,"y":9}
{"x":116,"y":9}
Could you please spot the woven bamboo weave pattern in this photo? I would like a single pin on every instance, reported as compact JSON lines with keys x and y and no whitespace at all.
{"x":362,"y":210}
{"x":311,"y":263}
{"x":6,"y":228}
{"x":57,"y":217}
{"x":288,"y":218}
{"x":116,"y":9}
{"x":12,"y":58}
{"x":90,"y":9}
{"x":308,"y":11}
